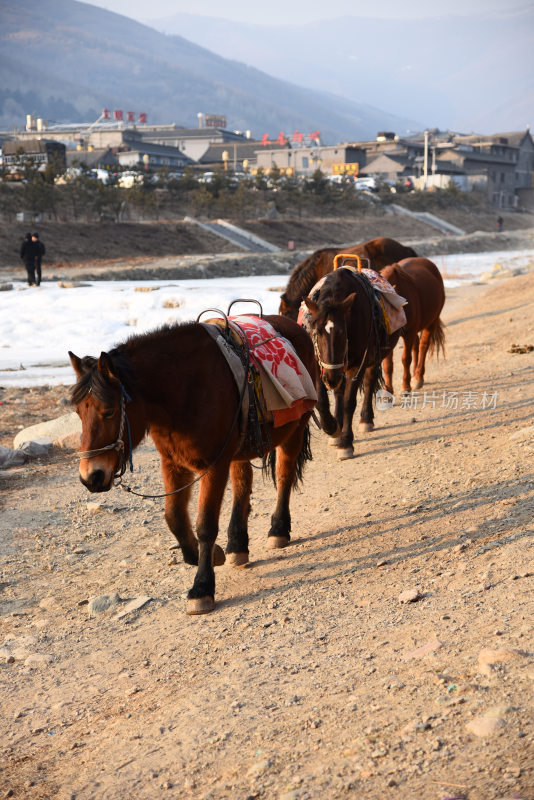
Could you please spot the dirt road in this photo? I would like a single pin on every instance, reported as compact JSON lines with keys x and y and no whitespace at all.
{"x":387,"y":653}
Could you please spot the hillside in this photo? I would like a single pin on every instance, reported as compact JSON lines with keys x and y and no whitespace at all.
{"x":112,"y":61}
{"x":461,"y":72}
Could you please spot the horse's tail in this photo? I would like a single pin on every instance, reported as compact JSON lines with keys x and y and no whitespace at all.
{"x":437,"y":338}
{"x":269,"y":462}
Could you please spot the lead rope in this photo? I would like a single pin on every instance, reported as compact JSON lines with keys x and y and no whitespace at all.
{"x":129,"y":490}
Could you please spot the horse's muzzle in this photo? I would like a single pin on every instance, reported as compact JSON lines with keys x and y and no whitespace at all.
{"x":332,"y":380}
{"x":97,"y":481}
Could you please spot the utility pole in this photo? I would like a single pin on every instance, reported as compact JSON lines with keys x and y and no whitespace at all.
{"x":425,"y":163}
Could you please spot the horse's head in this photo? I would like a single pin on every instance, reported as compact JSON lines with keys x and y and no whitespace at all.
{"x":329,"y":333}
{"x":99,"y":399}
{"x":288,"y":307}
{"x":391,"y":274}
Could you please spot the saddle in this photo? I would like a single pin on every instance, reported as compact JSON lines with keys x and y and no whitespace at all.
{"x":391,"y":303}
{"x":279,"y":389}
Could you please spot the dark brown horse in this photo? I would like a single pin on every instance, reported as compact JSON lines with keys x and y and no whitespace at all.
{"x":379,"y":253}
{"x":350,"y":340}
{"x":420,"y":282}
{"x":175,"y":384}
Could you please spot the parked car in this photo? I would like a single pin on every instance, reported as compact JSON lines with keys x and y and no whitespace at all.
{"x":206,"y":177}
{"x":366,"y":184}
{"x":128,"y":179}
{"x":101,"y":175}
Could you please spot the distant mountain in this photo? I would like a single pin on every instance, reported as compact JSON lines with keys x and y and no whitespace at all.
{"x":63,"y":59}
{"x":466,"y":73}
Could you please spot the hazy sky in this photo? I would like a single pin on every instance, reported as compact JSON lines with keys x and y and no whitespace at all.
{"x":276,"y":12}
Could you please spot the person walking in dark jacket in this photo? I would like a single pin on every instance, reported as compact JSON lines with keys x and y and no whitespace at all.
{"x":28,"y":251}
{"x":40,"y":250}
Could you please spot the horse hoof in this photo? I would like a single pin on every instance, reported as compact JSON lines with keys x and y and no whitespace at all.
{"x":277,"y":542}
{"x":199,"y":605}
{"x":366,"y":427}
{"x":218,"y":556}
{"x":419,"y":384}
{"x":237,"y":559}
{"x":333,"y":441}
{"x":344,"y":453}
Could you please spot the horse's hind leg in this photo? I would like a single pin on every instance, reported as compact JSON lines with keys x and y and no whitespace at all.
{"x":237,"y":548}
{"x":409,"y":351}
{"x":387,"y":369}
{"x":287,"y":454}
{"x":201,"y":596}
{"x":419,"y":373}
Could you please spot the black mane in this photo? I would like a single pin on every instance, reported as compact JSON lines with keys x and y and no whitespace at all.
{"x":94,"y":382}
{"x":304,"y":276}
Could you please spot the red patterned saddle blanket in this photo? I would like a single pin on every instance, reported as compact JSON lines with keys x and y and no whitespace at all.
{"x":287,"y":388}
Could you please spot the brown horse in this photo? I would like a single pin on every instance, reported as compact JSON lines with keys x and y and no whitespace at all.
{"x":379,"y":252}
{"x":350,"y":340}
{"x":175,"y":384}
{"x":420,"y":282}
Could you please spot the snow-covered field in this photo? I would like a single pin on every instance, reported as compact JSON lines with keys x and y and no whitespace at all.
{"x":39,"y":325}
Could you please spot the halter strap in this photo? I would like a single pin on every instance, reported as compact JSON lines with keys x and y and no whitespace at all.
{"x":118,"y":444}
{"x":323,"y":364}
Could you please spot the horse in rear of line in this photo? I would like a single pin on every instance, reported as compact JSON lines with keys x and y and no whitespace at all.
{"x":378,"y":252}
{"x":177,"y":384}
{"x":420,"y":282}
{"x":353,"y":332}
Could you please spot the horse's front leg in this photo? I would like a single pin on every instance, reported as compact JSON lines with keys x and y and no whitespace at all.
{"x":345,"y":447}
{"x":287,"y":455}
{"x":328,"y":423}
{"x":176,"y":507}
{"x":237,"y":547}
{"x":201,"y":596}
{"x":367,"y":417}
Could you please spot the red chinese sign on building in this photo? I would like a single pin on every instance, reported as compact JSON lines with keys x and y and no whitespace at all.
{"x":297,"y":138}
{"x":118,"y":115}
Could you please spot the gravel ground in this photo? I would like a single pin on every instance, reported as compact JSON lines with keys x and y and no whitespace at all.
{"x":387,"y":653}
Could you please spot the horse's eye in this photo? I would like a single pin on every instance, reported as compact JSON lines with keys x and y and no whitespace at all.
{"x":108,"y":414}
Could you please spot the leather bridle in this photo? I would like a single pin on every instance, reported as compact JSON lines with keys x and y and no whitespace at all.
{"x":118,"y":444}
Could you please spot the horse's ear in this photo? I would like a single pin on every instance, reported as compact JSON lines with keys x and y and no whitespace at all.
{"x":76,"y":364}
{"x":105,"y":365}
{"x":311,"y":305}
{"x":346,"y":305}
{"x":394,"y":275}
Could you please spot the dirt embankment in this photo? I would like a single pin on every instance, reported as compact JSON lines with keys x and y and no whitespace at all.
{"x":213,"y":257}
{"x":387,"y":653}
{"x":108,"y":244}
